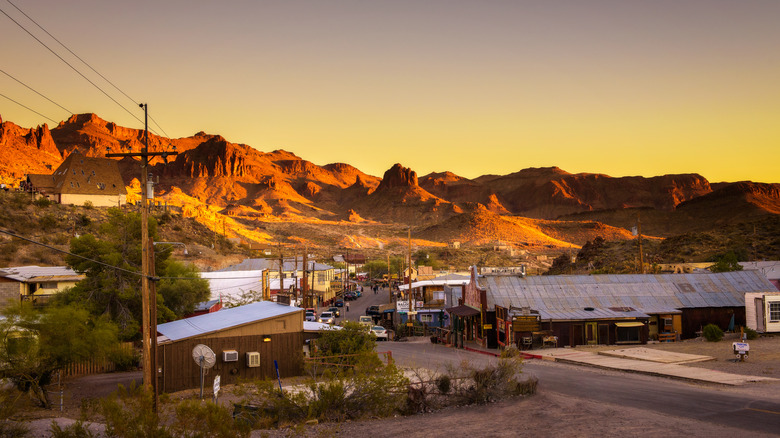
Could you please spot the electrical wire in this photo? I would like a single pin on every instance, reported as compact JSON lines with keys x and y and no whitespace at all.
{"x":71,"y":66}
{"x":71,"y":52}
{"x":28,"y":108}
{"x":84,"y":62}
{"x":36,"y":92}
{"x":139,"y":274}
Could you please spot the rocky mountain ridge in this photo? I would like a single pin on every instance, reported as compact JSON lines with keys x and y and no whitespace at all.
{"x":243,"y":181}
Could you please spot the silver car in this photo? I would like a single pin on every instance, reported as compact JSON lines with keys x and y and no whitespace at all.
{"x":310,"y":316}
{"x":327,"y":318}
{"x":380,"y":332}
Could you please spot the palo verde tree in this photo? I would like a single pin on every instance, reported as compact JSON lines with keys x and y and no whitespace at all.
{"x":112,"y":265}
{"x":35,"y":344}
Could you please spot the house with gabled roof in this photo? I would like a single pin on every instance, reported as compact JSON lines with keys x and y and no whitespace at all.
{"x":80,"y":179}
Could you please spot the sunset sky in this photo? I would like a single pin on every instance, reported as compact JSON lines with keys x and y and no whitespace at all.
{"x":474,"y":87}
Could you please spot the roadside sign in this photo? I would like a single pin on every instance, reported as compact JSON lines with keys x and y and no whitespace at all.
{"x":487,"y":326}
{"x":216,"y":384}
{"x":410,"y":324}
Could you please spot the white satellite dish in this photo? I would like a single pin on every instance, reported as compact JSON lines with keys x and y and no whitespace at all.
{"x":205,"y":358}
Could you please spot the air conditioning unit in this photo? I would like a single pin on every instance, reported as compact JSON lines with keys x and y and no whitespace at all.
{"x":253,"y":359}
{"x":229,"y":356}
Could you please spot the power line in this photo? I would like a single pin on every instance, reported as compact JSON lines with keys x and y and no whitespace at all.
{"x":28,"y":108}
{"x":33,"y":90}
{"x":71,"y":66}
{"x":71,"y":52}
{"x":83,"y":61}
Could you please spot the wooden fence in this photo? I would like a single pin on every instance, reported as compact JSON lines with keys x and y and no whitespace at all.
{"x":95,"y":366}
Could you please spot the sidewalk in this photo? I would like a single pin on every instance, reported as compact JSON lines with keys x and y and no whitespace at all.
{"x":636,"y":360}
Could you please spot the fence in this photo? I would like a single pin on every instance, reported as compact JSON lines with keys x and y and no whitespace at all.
{"x":97,"y":365}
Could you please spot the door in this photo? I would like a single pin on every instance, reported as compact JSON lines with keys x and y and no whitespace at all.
{"x":760,"y":320}
{"x":590,"y":333}
{"x":576,"y":335}
{"x":604,"y":334}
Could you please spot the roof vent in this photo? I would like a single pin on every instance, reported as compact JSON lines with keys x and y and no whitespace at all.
{"x":589,"y":309}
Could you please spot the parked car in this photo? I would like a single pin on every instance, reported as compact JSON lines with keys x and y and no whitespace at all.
{"x":327,"y":318}
{"x":335,"y":311}
{"x":350,"y":296}
{"x":310,"y":316}
{"x":366,"y":321}
{"x":339,"y":303}
{"x":312,"y":310}
{"x":372,"y":310}
{"x":380,"y":332}
{"x":358,"y":293}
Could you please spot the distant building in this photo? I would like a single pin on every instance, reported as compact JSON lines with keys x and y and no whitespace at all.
{"x":35,"y":284}
{"x":80,"y":179}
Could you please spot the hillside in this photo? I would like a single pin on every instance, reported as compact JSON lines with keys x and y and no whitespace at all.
{"x":277,"y":196}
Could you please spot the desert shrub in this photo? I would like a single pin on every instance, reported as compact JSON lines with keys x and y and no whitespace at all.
{"x":47,"y":222}
{"x":8,"y":408}
{"x":124,"y":359}
{"x":206,"y":419}
{"x":83,"y":221}
{"x":509,"y":352}
{"x":712,"y":333}
{"x":42,"y":202}
{"x":76,"y":430}
{"x":88,"y":205}
{"x":750,"y":334}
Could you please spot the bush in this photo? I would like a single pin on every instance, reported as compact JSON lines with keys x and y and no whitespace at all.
{"x":42,"y":202}
{"x":750,"y":334}
{"x":88,"y":205}
{"x":124,"y":359}
{"x":712,"y":333}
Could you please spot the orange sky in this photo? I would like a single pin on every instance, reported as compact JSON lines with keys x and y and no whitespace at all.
{"x":616,"y":87}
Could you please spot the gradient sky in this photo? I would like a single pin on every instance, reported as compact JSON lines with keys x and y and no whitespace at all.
{"x":474,"y":87}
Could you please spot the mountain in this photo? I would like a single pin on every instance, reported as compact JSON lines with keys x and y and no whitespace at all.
{"x":544,"y":206}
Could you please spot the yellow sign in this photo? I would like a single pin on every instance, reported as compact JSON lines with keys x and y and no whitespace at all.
{"x":410,"y":324}
{"x":487,"y":326}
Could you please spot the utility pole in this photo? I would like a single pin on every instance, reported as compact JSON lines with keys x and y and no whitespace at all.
{"x":389,"y":287}
{"x":281,"y":271}
{"x":412,"y":308}
{"x":641,"y":253}
{"x":148,"y":304}
{"x":305,"y":285}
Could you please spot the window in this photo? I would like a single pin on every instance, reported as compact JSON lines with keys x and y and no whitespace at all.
{"x":53,"y":285}
{"x":774,"y":312}
{"x":427,"y":317}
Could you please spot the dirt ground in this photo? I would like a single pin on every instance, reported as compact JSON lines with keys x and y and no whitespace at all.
{"x":543,"y":415}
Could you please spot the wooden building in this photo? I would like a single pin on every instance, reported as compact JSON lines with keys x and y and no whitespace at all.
{"x":35,"y":284}
{"x":246,"y":340}
{"x":604,"y":309}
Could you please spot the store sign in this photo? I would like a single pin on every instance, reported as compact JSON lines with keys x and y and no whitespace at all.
{"x":402,"y":305}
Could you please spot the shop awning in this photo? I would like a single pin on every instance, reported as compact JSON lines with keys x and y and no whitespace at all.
{"x":462,"y":311}
{"x":629,"y":324}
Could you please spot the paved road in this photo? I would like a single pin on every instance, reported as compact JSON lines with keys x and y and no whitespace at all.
{"x":358,"y":307}
{"x":713,"y":404}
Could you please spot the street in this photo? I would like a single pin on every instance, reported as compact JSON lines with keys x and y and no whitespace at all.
{"x":740,"y":408}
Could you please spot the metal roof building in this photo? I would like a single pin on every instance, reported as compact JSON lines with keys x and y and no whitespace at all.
{"x":567,"y":296}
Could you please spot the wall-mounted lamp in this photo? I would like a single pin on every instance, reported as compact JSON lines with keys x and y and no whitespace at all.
{"x":266,"y":339}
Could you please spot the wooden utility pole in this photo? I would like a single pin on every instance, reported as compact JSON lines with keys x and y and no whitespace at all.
{"x":389,"y":287}
{"x":148,"y":302}
{"x":412,"y":308}
{"x":641,"y":253}
{"x":281,"y":271}
{"x":305,"y":286}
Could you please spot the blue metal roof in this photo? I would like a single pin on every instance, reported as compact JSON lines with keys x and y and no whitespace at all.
{"x":224,"y":319}
{"x":566,"y":296}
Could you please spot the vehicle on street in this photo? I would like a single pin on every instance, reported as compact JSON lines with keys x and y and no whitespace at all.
{"x":380,"y":333}
{"x":335,"y":311}
{"x":312,"y":310}
{"x":366,"y":320}
{"x":358,"y":293}
{"x":372,"y":310}
{"x":327,"y":318}
{"x":310,"y":316}
{"x":339,"y":303}
{"x":350,"y":296}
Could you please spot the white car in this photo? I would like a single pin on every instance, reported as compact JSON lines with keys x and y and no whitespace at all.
{"x":380,"y":332}
{"x":327,"y":318}
{"x":310,"y":316}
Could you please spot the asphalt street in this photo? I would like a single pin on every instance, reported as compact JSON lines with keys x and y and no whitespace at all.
{"x":710,"y":403}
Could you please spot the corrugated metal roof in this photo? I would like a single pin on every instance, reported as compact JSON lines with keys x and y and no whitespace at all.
{"x":40,"y":273}
{"x":223,"y":319}
{"x":273,"y":265}
{"x":566,"y":296}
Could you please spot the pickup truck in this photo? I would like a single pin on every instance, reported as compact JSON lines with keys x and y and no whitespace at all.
{"x":372,"y":311}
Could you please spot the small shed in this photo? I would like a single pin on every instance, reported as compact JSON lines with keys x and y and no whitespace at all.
{"x":246,"y":341}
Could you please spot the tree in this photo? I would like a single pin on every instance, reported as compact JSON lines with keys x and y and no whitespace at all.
{"x":34,"y":344}
{"x":113,"y":281}
{"x":351,"y":345}
{"x":726,"y":263}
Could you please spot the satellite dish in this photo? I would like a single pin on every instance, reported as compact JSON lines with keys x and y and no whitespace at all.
{"x":205,"y":358}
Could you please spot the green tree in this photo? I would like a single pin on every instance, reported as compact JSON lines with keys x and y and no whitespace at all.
{"x":34,"y":344}
{"x":377,"y":268}
{"x":351,"y":345}
{"x":726,"y":263}
{"x":107,"y":290}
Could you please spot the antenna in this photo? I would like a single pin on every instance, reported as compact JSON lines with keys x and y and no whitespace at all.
{"x":205,"y":358}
